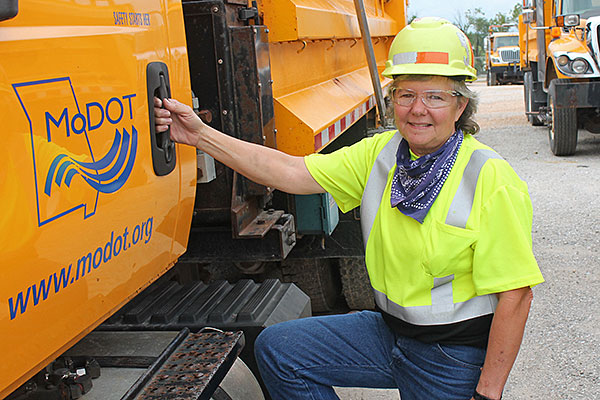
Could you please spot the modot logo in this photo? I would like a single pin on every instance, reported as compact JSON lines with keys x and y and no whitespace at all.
{"x":80,"y":149}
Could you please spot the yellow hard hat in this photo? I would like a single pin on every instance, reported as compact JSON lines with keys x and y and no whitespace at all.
{"x":431,"y":46}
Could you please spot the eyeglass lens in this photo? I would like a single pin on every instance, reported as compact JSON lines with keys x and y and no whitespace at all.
{"x":431,"y":98}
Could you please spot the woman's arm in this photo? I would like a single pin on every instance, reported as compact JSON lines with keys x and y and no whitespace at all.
{"x":263,"y":165}
{"x":506,"y":334}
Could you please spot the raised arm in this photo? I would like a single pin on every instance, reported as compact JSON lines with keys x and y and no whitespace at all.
{"x":263,"y":165}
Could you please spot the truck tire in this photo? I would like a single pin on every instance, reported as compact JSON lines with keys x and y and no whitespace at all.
{"x":528,"y":96}
{"x":562,"y":131}
{"x":239,"y":384}
{"x":493,"y":79}
{"x":318,"y":278}
{"x":356,"y":286}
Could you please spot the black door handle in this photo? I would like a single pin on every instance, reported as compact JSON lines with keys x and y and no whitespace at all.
{"x":163,"y":148}
{"x":164,"y":138}
{"x":8,"y":9}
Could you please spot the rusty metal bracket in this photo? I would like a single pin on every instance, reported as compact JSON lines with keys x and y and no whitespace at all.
{"x":287,"y":233}
{"x":262,"y":224}
{"x":274,"y":220}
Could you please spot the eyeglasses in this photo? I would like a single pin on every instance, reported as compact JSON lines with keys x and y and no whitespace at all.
{"x":430,"y":98}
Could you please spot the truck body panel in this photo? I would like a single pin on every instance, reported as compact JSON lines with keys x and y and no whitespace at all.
{"x":318,"y":63}
{"x":80,"y":197}
{"x":98,"y":206}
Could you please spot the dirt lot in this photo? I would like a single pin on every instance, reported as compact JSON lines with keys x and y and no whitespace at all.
{"x":560,"y":356}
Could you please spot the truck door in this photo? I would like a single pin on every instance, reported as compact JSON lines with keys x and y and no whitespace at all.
{"x":95,"y":206}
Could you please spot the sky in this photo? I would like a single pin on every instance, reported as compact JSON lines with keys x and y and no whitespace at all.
{"x":449,"y":9}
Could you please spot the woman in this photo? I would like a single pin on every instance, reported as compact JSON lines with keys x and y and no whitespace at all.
{"x":447,"y":230}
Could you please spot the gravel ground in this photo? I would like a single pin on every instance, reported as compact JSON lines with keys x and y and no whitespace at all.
{"x":559,"y":358}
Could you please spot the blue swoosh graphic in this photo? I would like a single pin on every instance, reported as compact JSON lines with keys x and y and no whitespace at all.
{"x":122,"y":153}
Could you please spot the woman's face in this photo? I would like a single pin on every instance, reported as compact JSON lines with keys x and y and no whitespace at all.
{"x":427,"y":129}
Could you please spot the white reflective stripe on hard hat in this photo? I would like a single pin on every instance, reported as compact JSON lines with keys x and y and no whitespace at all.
{"x":434,"y":315}
{"x":405,"y":58}
{"x":373,"y":193}
{"x":421,"y":57}
{"x":460,"y":209}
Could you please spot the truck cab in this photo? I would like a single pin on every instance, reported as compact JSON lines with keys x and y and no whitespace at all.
{"x":96,"y":205}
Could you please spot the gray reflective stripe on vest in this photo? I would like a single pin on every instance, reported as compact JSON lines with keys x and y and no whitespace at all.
{"x":373,"y":193}
{"x":442,"y":310}
{"x":461,"y":206}
{"x":429,"y":315}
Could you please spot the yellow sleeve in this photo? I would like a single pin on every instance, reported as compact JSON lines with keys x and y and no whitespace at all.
{"x":344,"y":173}
{"x":503,"y":258}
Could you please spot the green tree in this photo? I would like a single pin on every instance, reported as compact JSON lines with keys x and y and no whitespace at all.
{"x":515,"y":12}
{"x":476,"y":25}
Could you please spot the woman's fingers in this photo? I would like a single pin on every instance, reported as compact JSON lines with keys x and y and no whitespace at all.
{"x":176,"y":107}
{"x":161,"y":128}
{"x":162,"y":117}
{"x":161,"y":113}
{"x":163,"y":121}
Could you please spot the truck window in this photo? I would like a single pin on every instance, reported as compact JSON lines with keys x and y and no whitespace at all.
{"x":504,"y":41}
{"x":585,"y":8}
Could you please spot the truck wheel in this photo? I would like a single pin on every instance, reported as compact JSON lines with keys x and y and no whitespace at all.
{"x":238,"y":384}
{"x":318,"y":278}
{"x":356,"y":286}
{"x":528,"y":96}
{"x":488,"y":80}
{"x":493,"y":79}
{"x":562,"y":131}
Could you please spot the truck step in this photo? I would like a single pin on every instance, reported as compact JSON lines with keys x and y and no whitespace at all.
{"x":194,"y":370}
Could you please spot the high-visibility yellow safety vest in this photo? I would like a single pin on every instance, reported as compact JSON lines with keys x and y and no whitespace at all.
{"x":474,"y":242}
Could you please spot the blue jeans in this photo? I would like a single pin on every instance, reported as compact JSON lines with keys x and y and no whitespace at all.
{"x":303,"y":359}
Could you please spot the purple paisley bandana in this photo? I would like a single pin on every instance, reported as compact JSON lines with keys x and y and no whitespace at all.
{"x":417,"y":183}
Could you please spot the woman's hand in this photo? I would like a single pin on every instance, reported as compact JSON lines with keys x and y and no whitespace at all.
{"x":263,"y":165}
{"x":186,"y":126}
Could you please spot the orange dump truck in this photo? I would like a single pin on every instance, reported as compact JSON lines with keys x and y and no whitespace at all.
{"x":502,"y":57}
{"x":559,"y":53}
{"x":98,"y":208}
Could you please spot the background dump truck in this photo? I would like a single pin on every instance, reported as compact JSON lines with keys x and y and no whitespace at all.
{"x":502,"y":57}
{"x":98,"y":207}
{"x":559,"y":42}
